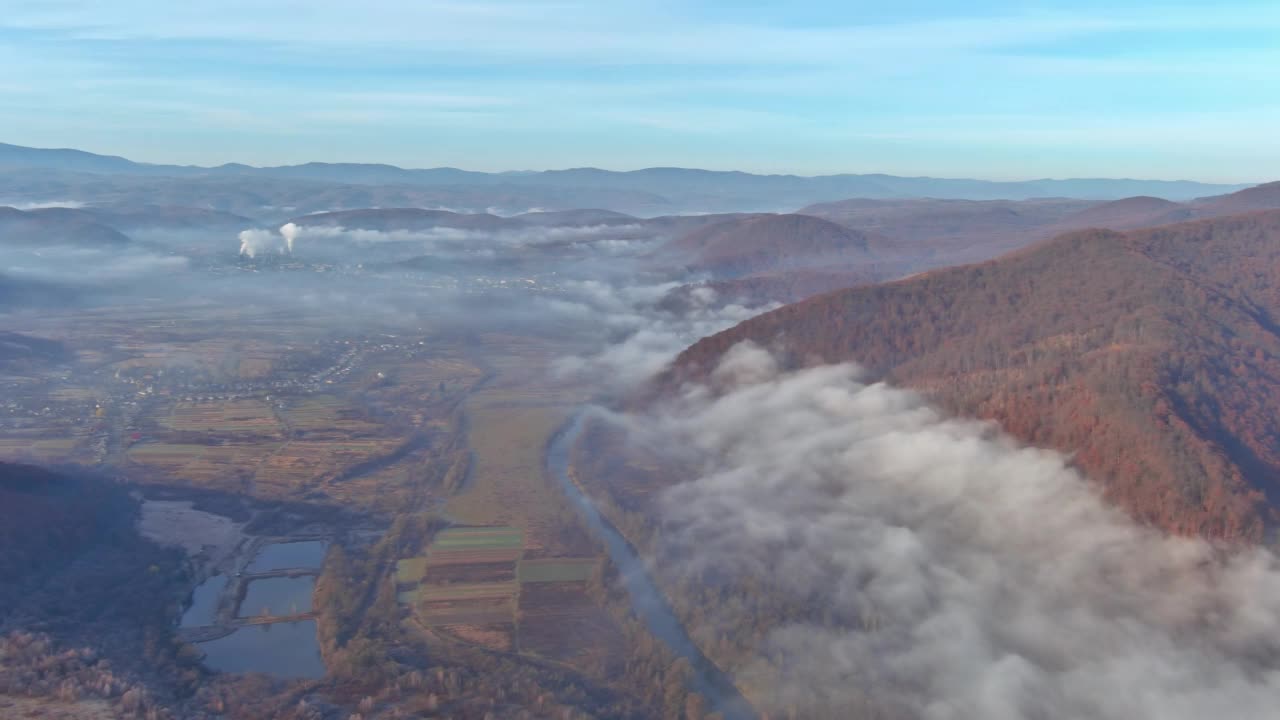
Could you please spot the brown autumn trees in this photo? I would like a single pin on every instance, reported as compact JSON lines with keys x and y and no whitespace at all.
{"x":1153,"y":356}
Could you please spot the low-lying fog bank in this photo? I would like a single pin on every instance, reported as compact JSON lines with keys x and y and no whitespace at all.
{"x":915,"y":566}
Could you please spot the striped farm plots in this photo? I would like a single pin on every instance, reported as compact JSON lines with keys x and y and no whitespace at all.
{"x":471,"y":582}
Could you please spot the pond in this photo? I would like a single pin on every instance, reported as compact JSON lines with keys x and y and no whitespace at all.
{"x":287,"y":650}
{"x":278,"y":596}
{"x":284,"y":556}
{"x":204,"y":602}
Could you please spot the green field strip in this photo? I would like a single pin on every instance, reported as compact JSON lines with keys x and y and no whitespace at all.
{"x":478,"y":538}
{"x":556,"y":570}
{"x":411,"y":569}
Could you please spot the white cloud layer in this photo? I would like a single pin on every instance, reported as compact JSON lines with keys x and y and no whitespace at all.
{"x":42,"y":204}
{"x":961,"y":576}
{"x":431,"y":238}
{"x":646,"y":336}
{"x":89,"y":266}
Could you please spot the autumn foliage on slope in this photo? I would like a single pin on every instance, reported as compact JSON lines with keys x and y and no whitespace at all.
{"x":762,"y":243}
{"x":1152,"y":356}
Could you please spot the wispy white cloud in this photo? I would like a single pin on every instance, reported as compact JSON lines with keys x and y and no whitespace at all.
{"x":614,"y":33}
{"x":29,"y":205}
{"x":550,"y":84}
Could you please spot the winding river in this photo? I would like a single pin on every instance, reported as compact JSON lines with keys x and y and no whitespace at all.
{"x":649,"y":603}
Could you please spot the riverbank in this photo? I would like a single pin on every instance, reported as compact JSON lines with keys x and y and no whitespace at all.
{"x":647,"y":600}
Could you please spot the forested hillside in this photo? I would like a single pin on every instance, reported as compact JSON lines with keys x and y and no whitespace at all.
{"x":1153,"y":356}
{"x":770,"y":243}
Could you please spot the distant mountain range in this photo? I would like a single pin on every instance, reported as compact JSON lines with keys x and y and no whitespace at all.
{"x":915,"y":235}
{"x":1152,"y":356}
{"x":56,"y":226}
{"x":647,"y":191}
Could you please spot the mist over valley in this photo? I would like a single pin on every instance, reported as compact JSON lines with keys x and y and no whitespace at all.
{"x":639,"y":361}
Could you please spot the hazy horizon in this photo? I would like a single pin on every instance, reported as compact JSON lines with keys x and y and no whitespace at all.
{"x":639,"y":168}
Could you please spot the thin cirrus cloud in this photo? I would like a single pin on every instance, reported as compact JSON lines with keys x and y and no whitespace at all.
{"x":627,"y":32}
{"x":552,"y":84}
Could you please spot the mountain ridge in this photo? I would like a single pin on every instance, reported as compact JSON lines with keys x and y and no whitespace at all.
{"x":751,"y":244}
{"x":678,"y":181}
{"x":1152,"y":356}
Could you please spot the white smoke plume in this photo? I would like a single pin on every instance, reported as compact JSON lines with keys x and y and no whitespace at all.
{"x":257,"y":241}
{"x":290,"y":232}
{"x":942,"y":571}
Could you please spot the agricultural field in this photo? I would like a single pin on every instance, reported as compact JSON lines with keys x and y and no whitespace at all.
{"x":557,"y":618}
{"x":483,"y":572}
{"x":430,"y":373}
{"x":508,"y":484}
{"x":22,"y":447}
{"x":241,"y":444}
{"x":470,"y":604}
{"x":407,"y":483}
{"x":510,"y":419}
{"x":522,"y":377}
{"x":257,"y":367}
{"x":232,"y":417}
{"x":559,"y":621}
{"x":516,"y":576}
{"x":472,"y":555}
{"x":411,"y":570}
{"x":224,"y":359}
{"x":557,"y":570}
{"x":459,"y":541}
{"x":301,"y":464}
{"x":343,"y":444}
{"x":326,"y":416}
{"x":408,"y":598}
{"x":474,"y":584}
{"x":227,"y":467}
{"x":419,"y":392}
{"x":466,"y":584}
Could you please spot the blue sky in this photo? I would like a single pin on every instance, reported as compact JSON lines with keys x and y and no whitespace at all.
{"x":984,"y":88}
